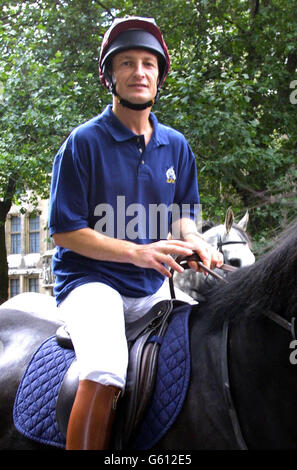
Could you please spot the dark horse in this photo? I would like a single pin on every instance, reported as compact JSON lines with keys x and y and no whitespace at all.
{"x":243,"y":386}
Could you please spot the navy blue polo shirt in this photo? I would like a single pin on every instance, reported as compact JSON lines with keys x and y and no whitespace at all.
{"x":105,"y":178}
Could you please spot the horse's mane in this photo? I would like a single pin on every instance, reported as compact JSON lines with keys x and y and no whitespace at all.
{"x":270,"y":283}
{"x":206,"y":225}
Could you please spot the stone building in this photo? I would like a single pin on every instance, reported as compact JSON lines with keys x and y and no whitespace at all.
{"x":29,"y":249}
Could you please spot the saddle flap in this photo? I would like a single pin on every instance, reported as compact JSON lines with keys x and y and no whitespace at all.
{"x":66,"y":397}
{"x":142,"y":369}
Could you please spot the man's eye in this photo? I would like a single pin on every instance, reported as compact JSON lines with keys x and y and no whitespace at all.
{"x":150,"y":64}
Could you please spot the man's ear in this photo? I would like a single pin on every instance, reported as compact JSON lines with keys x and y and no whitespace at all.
{"x":109,"y":77}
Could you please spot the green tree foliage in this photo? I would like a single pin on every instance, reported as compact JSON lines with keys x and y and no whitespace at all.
{"x":228,"y":91}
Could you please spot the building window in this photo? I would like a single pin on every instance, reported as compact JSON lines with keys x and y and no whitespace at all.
{"x":15,"y":234}
{"x":34,"y":234}
{"x":33,"y":284}
{"x":14,"y":287}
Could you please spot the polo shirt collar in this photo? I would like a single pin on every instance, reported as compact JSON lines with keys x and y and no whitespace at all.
{"x":121,"y":133}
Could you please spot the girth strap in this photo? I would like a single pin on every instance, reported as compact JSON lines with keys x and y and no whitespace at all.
{"x":227,"y":390}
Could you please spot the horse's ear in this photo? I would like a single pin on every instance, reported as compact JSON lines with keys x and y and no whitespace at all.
{"x":244,"y":221}
{"x":229,"y":219}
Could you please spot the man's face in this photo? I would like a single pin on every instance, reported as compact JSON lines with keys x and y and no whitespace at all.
{"x":135,"y":73}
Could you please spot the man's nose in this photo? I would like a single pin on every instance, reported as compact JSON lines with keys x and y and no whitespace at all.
{"x":139,"y":69}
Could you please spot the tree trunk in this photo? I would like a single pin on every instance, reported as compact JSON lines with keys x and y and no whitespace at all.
{"x":3,"y":264}
{"x":5,"y":206}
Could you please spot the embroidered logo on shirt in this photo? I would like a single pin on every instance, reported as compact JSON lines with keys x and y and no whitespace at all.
{"x":170,"y":175}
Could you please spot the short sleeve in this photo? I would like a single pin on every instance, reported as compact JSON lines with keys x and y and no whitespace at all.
{"x":68,"y":209}
{"x":187,"y":192}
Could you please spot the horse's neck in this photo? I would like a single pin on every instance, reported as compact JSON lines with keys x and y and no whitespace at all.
{"x":263,"y":383}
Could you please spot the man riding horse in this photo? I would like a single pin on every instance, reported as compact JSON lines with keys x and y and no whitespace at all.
{"x":111,"y":267}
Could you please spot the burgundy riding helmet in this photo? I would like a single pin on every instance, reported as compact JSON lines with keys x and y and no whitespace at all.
{"x":132,"y":33}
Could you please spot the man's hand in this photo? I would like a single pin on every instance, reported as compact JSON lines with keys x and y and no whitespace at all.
{"x":155,"y":255}
{"x":209,"y":256}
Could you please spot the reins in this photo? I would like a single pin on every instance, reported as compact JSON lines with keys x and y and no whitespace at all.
{"x":194,"y":257}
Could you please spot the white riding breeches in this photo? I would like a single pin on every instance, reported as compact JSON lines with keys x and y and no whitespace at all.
{"x":95,"y":316}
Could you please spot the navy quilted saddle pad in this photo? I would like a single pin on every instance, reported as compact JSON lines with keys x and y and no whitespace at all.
{"x":35,"y":404}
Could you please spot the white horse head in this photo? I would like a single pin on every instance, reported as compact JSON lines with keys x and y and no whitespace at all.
{"x":232,"y":240}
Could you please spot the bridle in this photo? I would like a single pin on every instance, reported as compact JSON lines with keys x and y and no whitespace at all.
{"x":220,"y":243}
{"x":280,"y":321}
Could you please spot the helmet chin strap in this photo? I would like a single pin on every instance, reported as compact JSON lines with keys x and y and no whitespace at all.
{"x":128,"y":104}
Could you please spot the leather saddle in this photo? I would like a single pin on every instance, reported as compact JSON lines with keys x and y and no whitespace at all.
{"x":144,"y":338}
